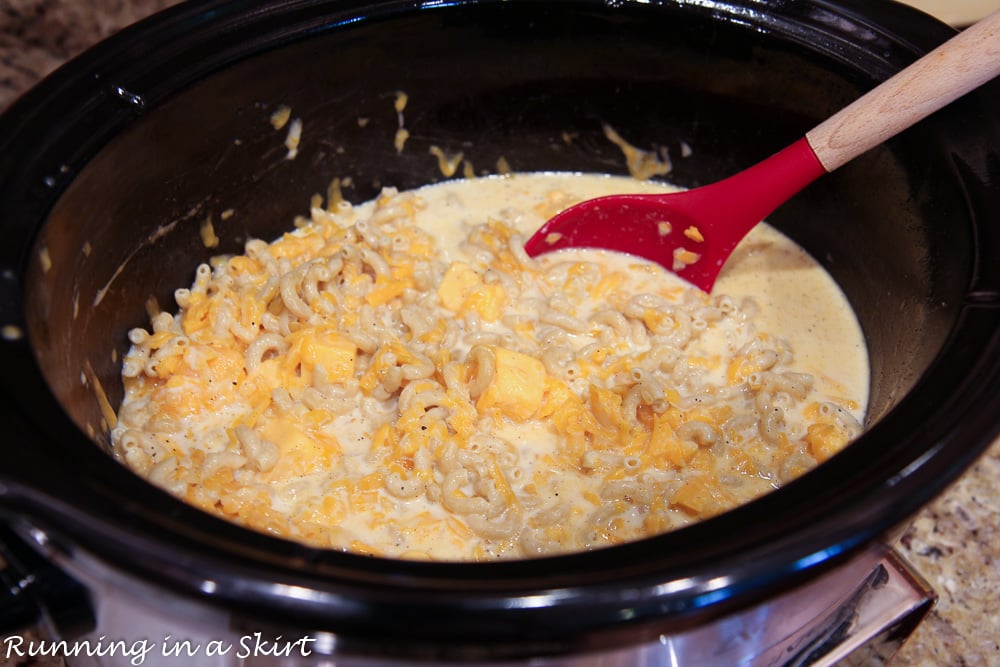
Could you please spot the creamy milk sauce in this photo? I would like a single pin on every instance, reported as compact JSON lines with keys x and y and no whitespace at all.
{"x":399,"y":379}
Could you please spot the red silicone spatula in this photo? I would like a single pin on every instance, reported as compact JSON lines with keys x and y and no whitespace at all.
{"x":692,"y":233}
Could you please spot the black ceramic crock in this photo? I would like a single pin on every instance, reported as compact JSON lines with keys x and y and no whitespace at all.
{"x":108,"y":168}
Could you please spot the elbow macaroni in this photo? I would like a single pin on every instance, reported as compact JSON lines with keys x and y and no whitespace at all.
{"x":366,"y":384}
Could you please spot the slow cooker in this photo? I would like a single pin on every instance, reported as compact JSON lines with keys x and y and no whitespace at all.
{"x":108,"y":168}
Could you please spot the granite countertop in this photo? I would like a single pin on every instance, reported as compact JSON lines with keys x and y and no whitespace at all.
{"x":954,"y":543}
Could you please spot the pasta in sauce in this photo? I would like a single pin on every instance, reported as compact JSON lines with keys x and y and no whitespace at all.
{"x":400,"y":379}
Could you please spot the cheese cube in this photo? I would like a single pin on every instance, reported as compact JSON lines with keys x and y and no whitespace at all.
{"x":458,"y":283}
{"x":300,"y":452}
{"x":517,"y":387}
{"x":462,"y":288}
{"x":334,"y":352}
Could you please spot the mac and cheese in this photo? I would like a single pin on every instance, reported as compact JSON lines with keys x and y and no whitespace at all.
{"x":400,"y":379}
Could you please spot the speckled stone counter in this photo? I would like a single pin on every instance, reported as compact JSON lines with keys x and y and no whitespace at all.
{"x":954,"y":543}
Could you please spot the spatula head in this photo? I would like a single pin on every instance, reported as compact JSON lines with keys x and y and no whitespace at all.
{"x":692,"y":232}
{"x":648,"y":226}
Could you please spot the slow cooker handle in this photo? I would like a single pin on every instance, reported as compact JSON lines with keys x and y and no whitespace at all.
{"x":34,"y":592}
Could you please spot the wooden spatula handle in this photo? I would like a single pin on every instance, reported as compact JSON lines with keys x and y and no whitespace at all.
{"x":961,"y":64}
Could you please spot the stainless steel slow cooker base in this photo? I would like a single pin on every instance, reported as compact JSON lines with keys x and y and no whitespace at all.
{"x":858,"y":614}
